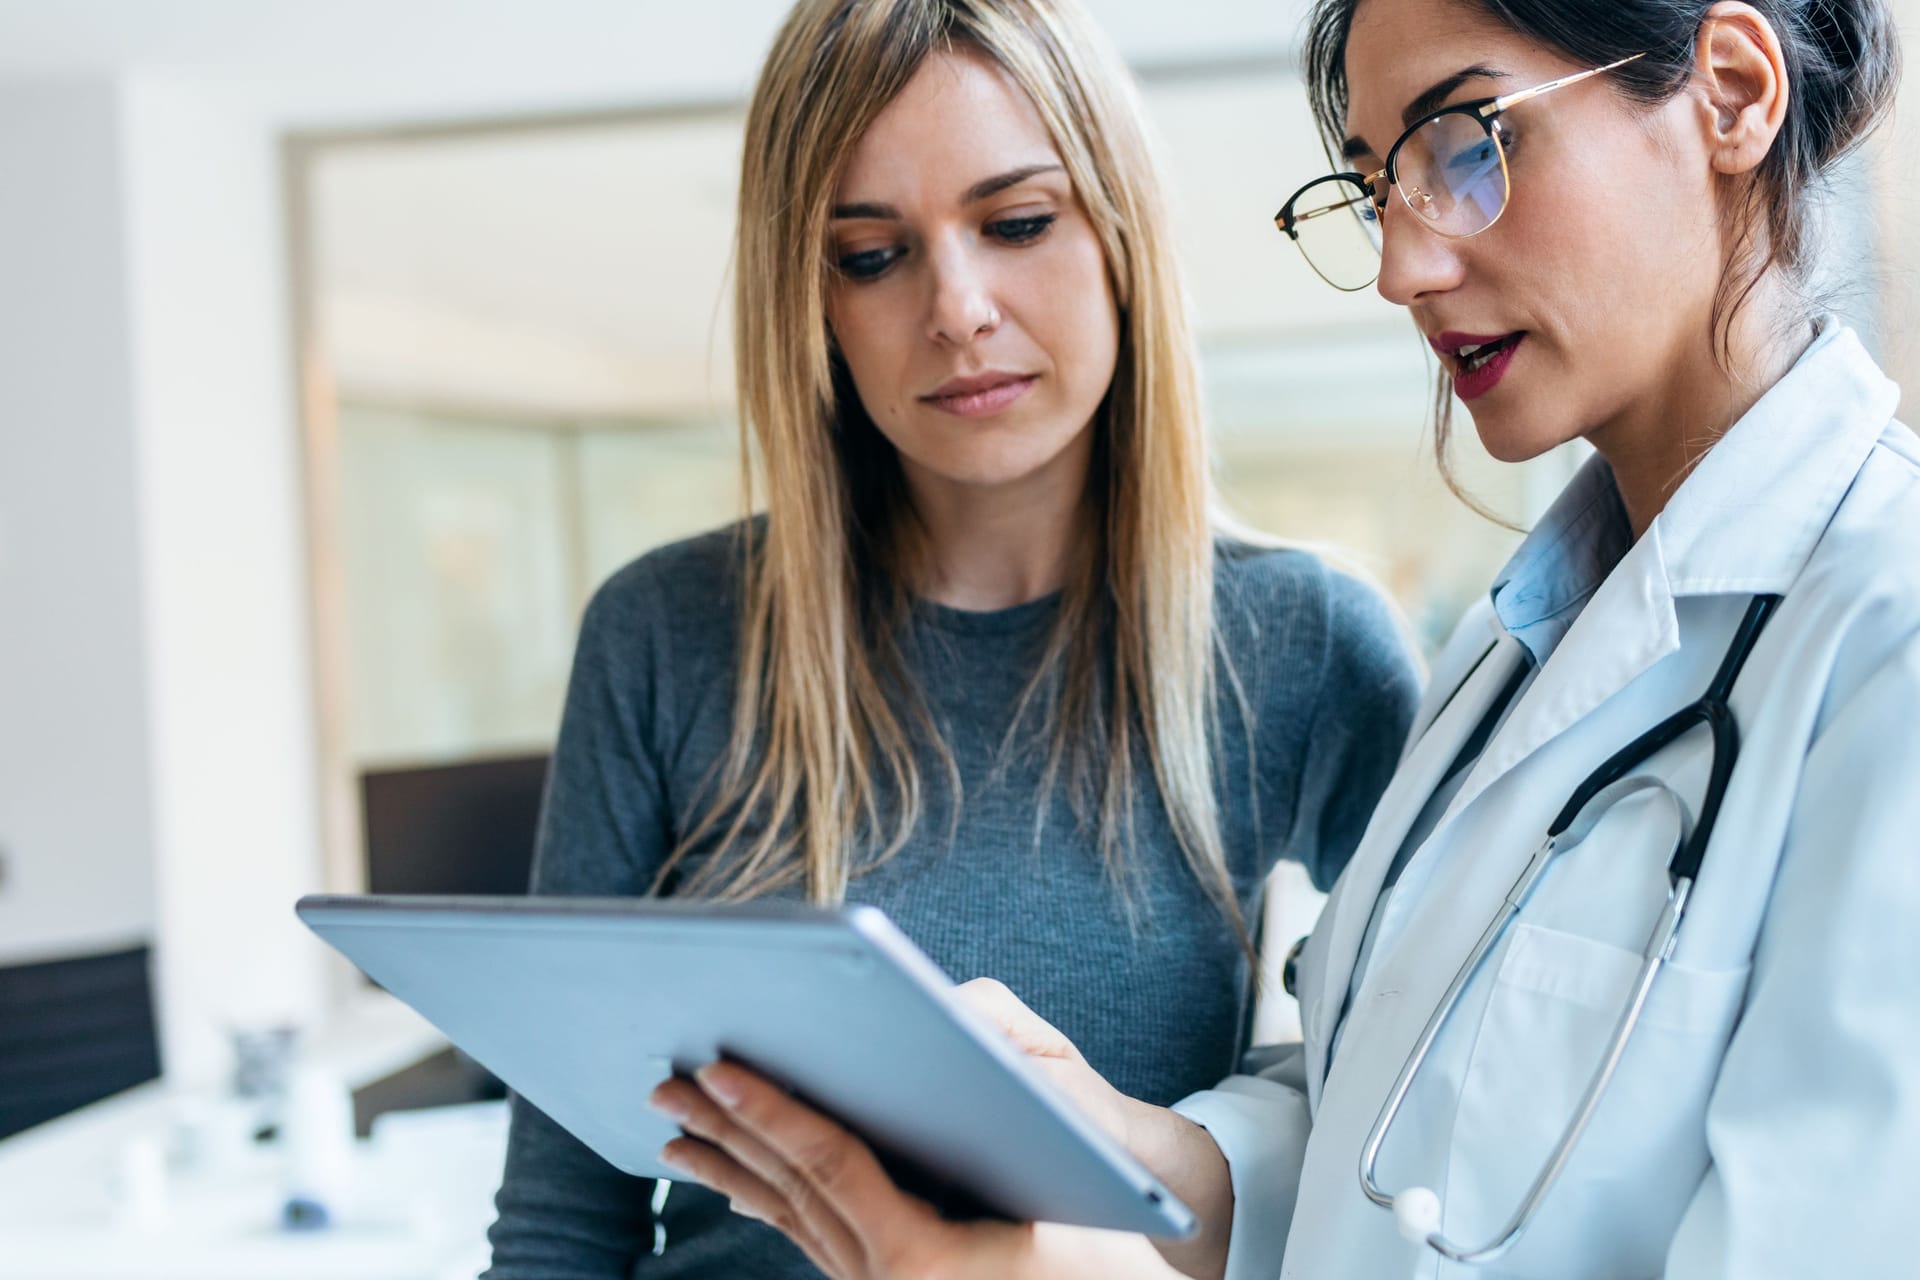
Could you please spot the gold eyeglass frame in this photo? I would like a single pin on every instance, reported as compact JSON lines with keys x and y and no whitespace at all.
{"x":1373,"y":187}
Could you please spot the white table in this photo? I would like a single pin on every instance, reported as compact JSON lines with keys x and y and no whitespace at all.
{"x":417,"y":1205}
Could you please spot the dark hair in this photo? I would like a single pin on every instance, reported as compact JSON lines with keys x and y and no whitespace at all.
{"x":1842,"y":61}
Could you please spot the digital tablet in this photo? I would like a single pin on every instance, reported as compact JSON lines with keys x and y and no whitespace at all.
{"x":583,"y":1005}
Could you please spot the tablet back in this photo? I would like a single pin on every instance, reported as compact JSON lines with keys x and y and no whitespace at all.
{"x":583,"y":1005}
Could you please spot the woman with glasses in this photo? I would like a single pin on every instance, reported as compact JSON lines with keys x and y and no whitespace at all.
{"x":1622,"y":979}
{"x":990,"y":660}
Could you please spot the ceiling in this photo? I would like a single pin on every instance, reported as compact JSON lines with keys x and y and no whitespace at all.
{"x":384,"y":60}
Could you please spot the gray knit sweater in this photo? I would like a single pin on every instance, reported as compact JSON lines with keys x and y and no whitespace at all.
{"x":1159,"y":1005}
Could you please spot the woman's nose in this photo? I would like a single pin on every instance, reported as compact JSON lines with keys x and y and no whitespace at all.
{"x":963,"y":306}
{"x":1416,"y":262}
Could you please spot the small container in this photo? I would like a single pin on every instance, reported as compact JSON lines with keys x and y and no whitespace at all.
{"x":142,"y":1185}
{"x":319,"y":1146}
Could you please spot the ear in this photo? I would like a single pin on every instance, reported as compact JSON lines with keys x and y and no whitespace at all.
{"x":1741,"y":72}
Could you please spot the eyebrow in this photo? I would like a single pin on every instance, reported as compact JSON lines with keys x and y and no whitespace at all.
{"x":1426,"y":103}
{"x":979,"y":191}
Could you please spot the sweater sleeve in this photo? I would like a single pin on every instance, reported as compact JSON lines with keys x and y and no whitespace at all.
{"x":563,"y":1212}
{"x":1369,"y":689}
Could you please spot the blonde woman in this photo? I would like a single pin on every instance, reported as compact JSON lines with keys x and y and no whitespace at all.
{"x":986,"y":662}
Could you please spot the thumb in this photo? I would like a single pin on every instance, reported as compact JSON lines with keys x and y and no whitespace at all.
{"x":1032,"y":1034}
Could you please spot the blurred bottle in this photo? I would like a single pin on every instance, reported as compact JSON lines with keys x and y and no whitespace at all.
{"x":263,"y":1057}
{"x":318,"y":1129}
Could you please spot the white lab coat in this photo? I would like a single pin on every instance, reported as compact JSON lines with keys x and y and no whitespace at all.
{"x":1766,"y":1120}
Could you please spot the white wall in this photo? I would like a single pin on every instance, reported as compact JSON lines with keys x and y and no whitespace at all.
{"x":75,"y":792}
{"x":156,"y":711}
{"x":1892,"y":169}
{"x":235,"y":826}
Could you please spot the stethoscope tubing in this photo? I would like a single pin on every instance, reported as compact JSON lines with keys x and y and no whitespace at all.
{"x":1613,"y":781}
{"x":1710,"y":709}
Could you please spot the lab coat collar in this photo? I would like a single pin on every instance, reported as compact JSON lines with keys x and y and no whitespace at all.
{"x":1475,"y":665}
{"x":1747,"y":519}
{"x":1744,"y":521}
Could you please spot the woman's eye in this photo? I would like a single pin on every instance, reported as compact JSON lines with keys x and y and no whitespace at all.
{"x":1020,"y":230}
{"x":868,"y":264}
{"x":1506,"y":135}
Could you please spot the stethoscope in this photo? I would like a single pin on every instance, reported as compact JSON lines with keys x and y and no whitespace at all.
{"x":1416,"y":1210}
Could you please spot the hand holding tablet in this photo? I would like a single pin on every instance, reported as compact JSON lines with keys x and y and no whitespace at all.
{"x":583,"y":1006}
{"x":778,"y":1161}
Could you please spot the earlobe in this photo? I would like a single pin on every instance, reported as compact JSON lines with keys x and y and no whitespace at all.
{"x":1742,"y":71}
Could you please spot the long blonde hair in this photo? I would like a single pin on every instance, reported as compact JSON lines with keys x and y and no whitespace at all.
{"x":819,"y":781}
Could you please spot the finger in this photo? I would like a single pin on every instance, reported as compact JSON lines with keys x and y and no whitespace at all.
{"x":758,"y":1179}
{"x":836,"y":1166}
{"x":750,"y":1196}
{"x":1057,"y":1251}
{"x":1032,"y":1034}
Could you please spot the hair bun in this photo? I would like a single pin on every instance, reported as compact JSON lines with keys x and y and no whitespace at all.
{"x":1849,"y":72}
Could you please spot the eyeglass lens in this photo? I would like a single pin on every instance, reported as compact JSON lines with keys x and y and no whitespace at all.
{"x":1449,"y":171}
{"x":1338,"y":229}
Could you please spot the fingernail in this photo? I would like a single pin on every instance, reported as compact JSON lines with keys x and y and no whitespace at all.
{"x":670,"y":1107}
{"x":714,"y":1080}
{"x":744,"y":1211}
{"x":667,"y":1159}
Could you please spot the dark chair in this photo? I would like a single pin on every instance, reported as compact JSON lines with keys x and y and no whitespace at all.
{"x":73,"y":1032}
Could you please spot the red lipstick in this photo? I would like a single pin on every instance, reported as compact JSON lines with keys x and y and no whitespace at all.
{"x":1476,"y":361}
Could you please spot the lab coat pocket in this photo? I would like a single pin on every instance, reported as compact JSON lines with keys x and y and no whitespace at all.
{"x":1550,"y":1012}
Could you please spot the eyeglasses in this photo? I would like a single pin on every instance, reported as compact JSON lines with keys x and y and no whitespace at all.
{"x":1450,"y":169}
